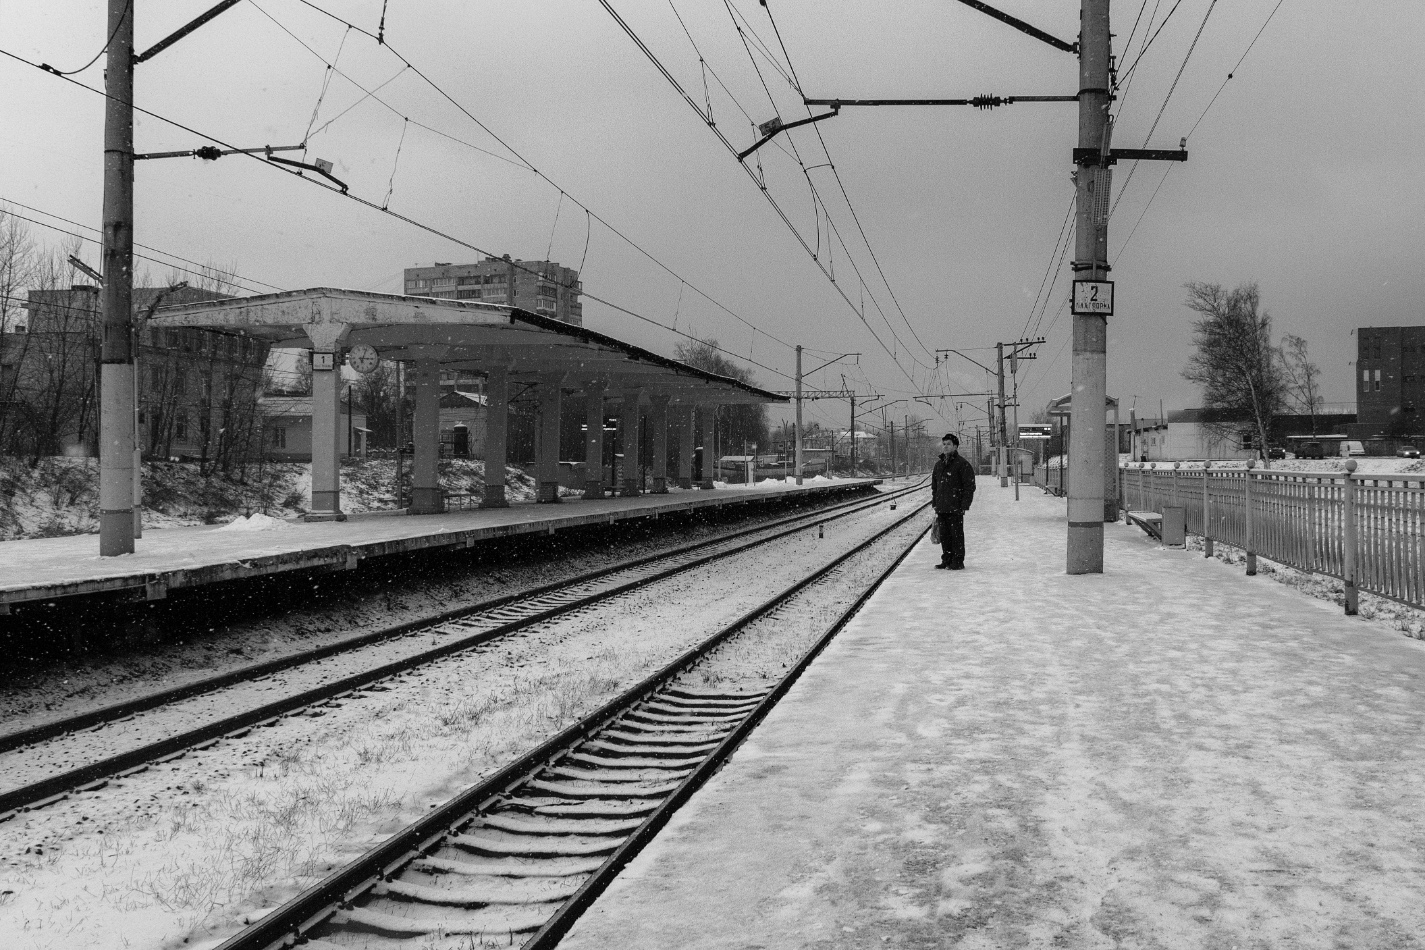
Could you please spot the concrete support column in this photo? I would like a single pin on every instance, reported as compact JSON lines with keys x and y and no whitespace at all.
{"x":658,"y":419}
{"x":546,"y":454}
{"x":687,"y":444}
{"x":426,"y":496}
{"x":594,"y":439}
{"x":326,"y":447}
{"x":709,"y":454}
{"x":628,"y":439}
{"x":497,"y":407}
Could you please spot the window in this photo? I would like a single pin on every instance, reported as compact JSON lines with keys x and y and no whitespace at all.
{"x":1377,"y":381}
{"x":279,"y":438}
{"x":170,"y":339}
{"x":180,"y":425}
{"x":180,"y":382}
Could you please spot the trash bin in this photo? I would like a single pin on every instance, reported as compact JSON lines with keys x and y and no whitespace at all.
{"x":1174,"y":526}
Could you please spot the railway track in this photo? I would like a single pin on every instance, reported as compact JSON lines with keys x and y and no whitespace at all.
{"x":518,"y":857}
{"x":450,"y":632}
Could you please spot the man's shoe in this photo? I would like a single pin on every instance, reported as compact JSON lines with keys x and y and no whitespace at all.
{"x":941,"y":566}
{"x":957,"y":567}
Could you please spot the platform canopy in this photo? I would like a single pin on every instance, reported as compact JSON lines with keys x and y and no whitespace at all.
{"x":1063,"y":406}
{"x":458,"y":334}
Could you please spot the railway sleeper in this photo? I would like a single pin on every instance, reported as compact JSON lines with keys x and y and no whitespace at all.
{"x":493,"y":920}
{"x":524,"y":824}
{"x":655,"y":774}
{"x":507,"y":867}
{"x":580,"y":808}
{"x":652,"y":722}
{"x":681,"y":715}
{"x":646,"y":740}
{"x":531,"y":890}
{"x":533,"y":846}
{"x":634,"y":761}
{"x":572,"y":789}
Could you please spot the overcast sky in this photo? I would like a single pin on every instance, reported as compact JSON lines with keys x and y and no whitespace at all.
{"x":1305,"y":175}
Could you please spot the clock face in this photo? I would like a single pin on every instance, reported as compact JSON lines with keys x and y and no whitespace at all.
{"x":363,"y":358}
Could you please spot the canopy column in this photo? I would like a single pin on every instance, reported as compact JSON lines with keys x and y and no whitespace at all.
{"x":594,"y":438}
{"x":709,"y":412}
{"x":547,"y":449}
{"x":686,"y":445}
{"x":658,"y":419}
{"x":426,"y":496}
{"x":628,"y":441}
{"x":326,"y":418}
{"x":497,"y":407}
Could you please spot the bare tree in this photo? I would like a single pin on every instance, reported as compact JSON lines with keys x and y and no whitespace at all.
{"x":1236,"y":364}
{"x":744,"y":423}
{"x":1301,"y":377}
{"x":17,"y":262}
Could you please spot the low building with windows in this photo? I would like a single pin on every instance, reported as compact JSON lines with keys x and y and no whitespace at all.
{"x":287,"y":428}
{"x":544,"y":287}
{"x":197,"y":388}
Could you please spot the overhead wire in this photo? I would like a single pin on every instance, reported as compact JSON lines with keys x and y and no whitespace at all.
{"x":842,"y":186}
{"x":128,"y":6}
{"x":525,"y":163}
{"x":200,"y":272}
{"x":776,"y":206}
{"x":430,"y":229}
{"x":1205,"y":110}
{"x":1164,"y":107}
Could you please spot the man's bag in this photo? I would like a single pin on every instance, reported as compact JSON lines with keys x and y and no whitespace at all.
{"x":935,"y":531}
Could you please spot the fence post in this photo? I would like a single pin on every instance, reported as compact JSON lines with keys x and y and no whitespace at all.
{"x":1176,"y":466}
{"x":1206,"y":509}
{"x":1348,"y":515}
{"x":1247,"y":511}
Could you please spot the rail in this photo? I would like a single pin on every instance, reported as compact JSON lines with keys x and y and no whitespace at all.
{"x":1366,"y":529}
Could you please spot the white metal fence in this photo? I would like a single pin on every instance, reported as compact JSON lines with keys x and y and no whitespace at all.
{"x":1367,"y":529}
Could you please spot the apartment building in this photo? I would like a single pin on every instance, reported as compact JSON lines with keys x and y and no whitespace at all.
{"x":542,"y":287}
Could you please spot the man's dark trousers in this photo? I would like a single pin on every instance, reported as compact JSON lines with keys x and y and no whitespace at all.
{"x":952,"y":538}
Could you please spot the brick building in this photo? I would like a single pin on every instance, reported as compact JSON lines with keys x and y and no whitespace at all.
{"x":1389,"y":381}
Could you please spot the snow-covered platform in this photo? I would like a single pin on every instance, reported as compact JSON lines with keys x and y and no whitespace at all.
{"x":48,"y":569}
{"x":1171,"y":754}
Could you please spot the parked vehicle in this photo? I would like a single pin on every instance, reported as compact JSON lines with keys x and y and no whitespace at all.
{"x":1351,"y":447}
{"x":1276,"y":452}
{"x":1310,"y":450}
{"x":1407,"y":452}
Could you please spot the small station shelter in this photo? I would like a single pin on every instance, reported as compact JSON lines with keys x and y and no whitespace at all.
{"x":509,"y":347}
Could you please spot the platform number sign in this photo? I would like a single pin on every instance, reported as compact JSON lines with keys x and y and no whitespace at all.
{"x":1093,"y":297}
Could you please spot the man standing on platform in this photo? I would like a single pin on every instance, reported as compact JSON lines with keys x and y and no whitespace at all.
{"x":952,"y":486}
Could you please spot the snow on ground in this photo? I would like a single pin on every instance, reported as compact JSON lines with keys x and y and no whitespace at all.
{"x":1330,"y":466}
{"x":131,"y":659}
{"x":1170,"y":755}
{"x":184,"y":852}
{"x":60,"y":496}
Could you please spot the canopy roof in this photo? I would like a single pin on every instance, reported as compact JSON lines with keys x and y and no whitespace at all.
{"x":460,"y":334}
{"x":1063,"y":406}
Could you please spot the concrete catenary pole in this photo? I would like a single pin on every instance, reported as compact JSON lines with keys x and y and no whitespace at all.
{"x":116,"y":378}
{"x":799,"y":414}
{"x":1003,"y":435}
{"x":1090,"y":351}
{"x":853,"y":436}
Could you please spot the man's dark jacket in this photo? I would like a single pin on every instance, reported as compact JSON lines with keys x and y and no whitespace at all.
{"x":952,"y":484}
